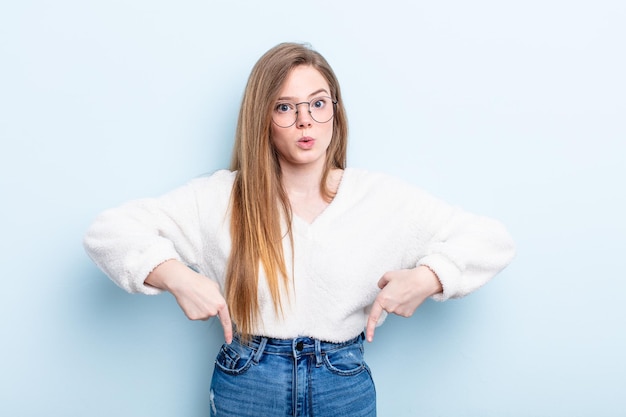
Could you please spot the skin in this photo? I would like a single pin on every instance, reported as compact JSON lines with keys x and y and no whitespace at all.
{"x":199,"y":297}
{"x":402,"y":291}
{"x":303,"y":84}
{"x":302,"y":168}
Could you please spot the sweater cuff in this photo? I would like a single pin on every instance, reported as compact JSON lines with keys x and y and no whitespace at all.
{"x":149,"y":260}
{"x":447,"y":272}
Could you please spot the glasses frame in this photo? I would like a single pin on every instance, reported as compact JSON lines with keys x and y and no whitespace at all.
{"x":295,"y":105}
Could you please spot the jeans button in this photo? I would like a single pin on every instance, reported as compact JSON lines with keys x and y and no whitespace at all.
{"x":299,"y":346}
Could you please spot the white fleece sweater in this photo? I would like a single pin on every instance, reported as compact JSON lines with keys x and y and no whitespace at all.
{"x":374,"y":224}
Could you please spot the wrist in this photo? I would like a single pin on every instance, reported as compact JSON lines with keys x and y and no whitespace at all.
{"x":429,"y":280}
{"x":164,"y":274}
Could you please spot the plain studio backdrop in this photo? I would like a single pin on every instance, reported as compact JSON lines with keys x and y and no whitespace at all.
{"x":513,"y":109}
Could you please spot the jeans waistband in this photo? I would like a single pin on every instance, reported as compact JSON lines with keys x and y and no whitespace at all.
{"x":296,"y":347}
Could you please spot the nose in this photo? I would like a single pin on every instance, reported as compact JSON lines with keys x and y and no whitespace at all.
{"x":303,"y":117}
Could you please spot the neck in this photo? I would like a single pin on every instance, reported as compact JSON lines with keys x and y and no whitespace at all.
{"x":301,"y":180}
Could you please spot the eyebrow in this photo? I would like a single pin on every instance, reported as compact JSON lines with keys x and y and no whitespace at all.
{"x":321,"y":90}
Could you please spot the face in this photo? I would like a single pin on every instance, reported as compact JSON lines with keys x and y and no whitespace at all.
{"x":303,"y":144}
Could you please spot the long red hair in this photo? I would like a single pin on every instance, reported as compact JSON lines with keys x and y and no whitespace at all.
{"x":259,"y":201}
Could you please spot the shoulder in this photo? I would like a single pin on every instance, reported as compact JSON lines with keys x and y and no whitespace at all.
{"x":211,"y":188}
{"x":221,"y":176}
{"x":389,"y":193}
{"x":357,"y":180}
{"x":218,"y":181}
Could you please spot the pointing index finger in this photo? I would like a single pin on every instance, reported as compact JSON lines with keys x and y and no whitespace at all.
{"x":372,"y":320}
{"x":227,"y":324}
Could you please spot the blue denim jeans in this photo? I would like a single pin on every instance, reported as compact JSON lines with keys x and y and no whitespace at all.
{"x":300,"y":377}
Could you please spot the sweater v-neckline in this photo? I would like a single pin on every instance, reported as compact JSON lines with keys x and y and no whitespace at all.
{"x":320,"y":217}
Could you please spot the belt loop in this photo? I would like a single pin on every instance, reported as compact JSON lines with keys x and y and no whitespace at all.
{"x":318,"y":353}
{"x":257,"y":355}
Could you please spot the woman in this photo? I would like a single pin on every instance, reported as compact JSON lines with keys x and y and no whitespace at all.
{"x":295,"y":253}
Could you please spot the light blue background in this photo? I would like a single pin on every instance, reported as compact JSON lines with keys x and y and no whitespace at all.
{"x":514,"y":109}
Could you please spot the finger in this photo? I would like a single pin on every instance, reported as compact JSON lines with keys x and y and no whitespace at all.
{"x":383,"y":282}
{"x":372,"y":320}
{"x":227,"y":324}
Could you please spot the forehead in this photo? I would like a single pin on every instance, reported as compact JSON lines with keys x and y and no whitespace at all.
{"x":304,"y":81}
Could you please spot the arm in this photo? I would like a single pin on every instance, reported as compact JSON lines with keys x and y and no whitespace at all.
{"x":186,"y":224}
{"x":455,"y":253}
{"x":151,"y":245}
{"x":129,"y":241}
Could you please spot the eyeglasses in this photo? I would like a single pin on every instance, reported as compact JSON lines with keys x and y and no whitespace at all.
{"x":321,"y":109}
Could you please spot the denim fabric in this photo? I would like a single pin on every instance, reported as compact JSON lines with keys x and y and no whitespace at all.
{"x":300,"y":377}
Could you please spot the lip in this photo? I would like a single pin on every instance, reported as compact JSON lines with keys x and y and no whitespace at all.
{"x":306,"y":142}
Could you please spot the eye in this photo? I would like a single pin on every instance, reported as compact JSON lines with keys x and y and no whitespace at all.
{"x":319,"y":103}
{"x":284,"y":107}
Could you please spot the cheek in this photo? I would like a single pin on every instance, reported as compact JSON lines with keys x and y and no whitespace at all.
{"x":273,"y":132}
{"x":330,"y":130}
{"x":276,"y":136}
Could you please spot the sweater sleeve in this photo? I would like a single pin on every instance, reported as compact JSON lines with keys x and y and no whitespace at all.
{"x":129,"y":241}
{"x":465,"y":250}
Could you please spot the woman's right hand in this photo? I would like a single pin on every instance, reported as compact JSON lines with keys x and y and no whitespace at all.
{"x":198,"y":296}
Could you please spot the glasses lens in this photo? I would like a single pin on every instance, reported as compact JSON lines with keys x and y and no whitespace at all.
{"x":321,"y":110}
{"x":284,"y":114}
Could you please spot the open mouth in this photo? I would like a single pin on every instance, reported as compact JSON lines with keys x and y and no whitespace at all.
{"x":306,"y":142}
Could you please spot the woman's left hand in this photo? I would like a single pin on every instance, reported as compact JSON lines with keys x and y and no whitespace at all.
{"x":401,"y":293}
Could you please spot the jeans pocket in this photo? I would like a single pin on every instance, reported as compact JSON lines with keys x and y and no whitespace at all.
{"x":346,"y":360}
{"x":234,"y":359}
